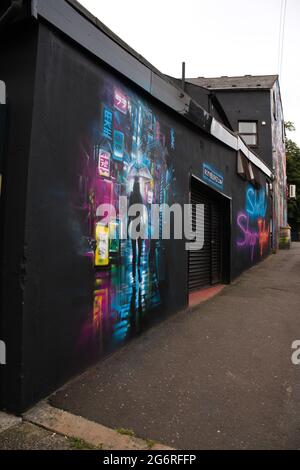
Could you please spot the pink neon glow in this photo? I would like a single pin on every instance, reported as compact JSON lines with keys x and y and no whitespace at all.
{"x":250,"y":237}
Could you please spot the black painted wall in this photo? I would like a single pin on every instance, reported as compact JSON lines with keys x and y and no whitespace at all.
{"x":206,"y":99}
{"x":51,"y":284}
{"x":17,"y":69}
{"x":251,"y":105}
{"x":232,"y":106}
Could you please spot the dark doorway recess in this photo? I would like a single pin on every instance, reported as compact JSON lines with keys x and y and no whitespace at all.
{"x":210,"y":265}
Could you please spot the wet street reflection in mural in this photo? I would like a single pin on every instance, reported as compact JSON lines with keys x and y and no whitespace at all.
{"x":131,"y":157}
{"x":123,"y":295}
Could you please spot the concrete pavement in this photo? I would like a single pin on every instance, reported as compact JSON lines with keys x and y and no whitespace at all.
{"x":47,"y":428}
{"x":219,"y":376}
{"x":18,"y":435}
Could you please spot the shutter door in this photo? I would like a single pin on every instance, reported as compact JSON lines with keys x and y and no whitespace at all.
{"x":199,"y":260}
{"x":215,"y":243}
{"x":205,"y":264}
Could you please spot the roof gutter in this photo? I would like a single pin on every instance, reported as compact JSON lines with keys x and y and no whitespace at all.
{"x":90,"y":34}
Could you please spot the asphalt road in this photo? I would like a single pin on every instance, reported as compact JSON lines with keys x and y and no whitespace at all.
{"x":217,"y":377}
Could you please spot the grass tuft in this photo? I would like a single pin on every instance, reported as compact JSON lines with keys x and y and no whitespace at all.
{"x":126,"y":432}
{"x":80,"y":444}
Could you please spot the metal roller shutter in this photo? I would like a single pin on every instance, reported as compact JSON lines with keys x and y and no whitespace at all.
{"x":215,"y":243}
{"x":205,"y":264}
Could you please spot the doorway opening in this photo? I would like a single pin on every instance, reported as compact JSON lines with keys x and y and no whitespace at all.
{"x":210,"y":266}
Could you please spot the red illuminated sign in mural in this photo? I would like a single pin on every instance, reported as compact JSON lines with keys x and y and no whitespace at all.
{"x":104,"y":163}
{"x":120,"y":101}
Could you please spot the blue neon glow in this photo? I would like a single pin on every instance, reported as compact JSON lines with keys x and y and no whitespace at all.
{"x":256,"y":203}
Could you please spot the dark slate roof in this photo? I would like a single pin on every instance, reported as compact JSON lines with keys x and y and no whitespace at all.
{"x":246,"y":82}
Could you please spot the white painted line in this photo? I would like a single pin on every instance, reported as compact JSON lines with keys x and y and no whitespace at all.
{"x":222,"y":134}
{"x":235,"y":142}
{"x":253,"y":158}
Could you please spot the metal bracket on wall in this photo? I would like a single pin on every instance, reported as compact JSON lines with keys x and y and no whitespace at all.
{"x":2,"y":93}
{"x":2,"y":125}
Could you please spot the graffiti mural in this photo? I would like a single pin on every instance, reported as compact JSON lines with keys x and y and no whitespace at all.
{"x":279,"y":165}
{"x":254,"y":232}
{"x":256,"y":203}
{"x":131,"y":156}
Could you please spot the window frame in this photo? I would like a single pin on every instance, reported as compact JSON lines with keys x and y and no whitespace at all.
{"x":242,"y":134}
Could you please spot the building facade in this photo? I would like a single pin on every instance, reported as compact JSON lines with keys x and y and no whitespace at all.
{"x":252,"y":106}
{"x":90,"y":121}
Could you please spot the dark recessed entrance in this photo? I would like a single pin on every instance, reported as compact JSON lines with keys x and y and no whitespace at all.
{"x":208,"y":266}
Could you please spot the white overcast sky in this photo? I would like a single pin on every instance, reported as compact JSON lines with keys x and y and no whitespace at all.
{"x":213,"y":37}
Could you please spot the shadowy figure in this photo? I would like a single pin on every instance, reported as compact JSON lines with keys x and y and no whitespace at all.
{"x":135,"y":198}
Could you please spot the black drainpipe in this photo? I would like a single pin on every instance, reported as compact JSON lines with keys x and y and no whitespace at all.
{"x":11,"y":12}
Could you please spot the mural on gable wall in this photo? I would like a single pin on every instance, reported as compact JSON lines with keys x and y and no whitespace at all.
{"x":132,"y":157}
{"x":253,"y":228}
{"x":279,"y":163}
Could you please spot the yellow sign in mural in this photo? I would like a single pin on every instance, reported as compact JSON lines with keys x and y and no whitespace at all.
{"x":102,"y":247}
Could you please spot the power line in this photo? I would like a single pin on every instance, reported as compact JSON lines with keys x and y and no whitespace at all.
{"x":281,"y":35}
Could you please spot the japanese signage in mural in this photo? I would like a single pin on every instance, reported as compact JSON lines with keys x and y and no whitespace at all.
{"x":104,"y":163}
{"x":129,"y":158}
{"x":213,"y":177}
{"x":120,"y":101}
{"x":107,"y":123}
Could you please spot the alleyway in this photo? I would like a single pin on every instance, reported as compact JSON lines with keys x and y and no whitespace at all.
{"x":217,"y":377}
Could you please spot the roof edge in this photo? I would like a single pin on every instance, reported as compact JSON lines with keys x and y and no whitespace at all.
{"x":71,"y":18}
{"x":216,"y":82}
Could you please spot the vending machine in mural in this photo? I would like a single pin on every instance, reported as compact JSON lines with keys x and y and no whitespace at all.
{"x":132,"y":158}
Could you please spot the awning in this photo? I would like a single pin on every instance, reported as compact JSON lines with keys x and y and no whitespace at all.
{"x":248,"y":171}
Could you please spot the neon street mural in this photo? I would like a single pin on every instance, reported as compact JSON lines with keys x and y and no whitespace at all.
{"x":131,"y":156}
{"x":253,"y":230}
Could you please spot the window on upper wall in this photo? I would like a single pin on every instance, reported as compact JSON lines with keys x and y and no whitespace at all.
{"x":248,"y":131}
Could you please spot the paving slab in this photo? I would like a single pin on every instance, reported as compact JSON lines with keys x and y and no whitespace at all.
{"x":93,"y":434}
{"x":8,"y":421}
{"x":216,"y":377}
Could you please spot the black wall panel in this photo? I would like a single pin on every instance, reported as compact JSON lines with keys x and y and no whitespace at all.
{"x":77,"y":309}
{"x":17,"y":70}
